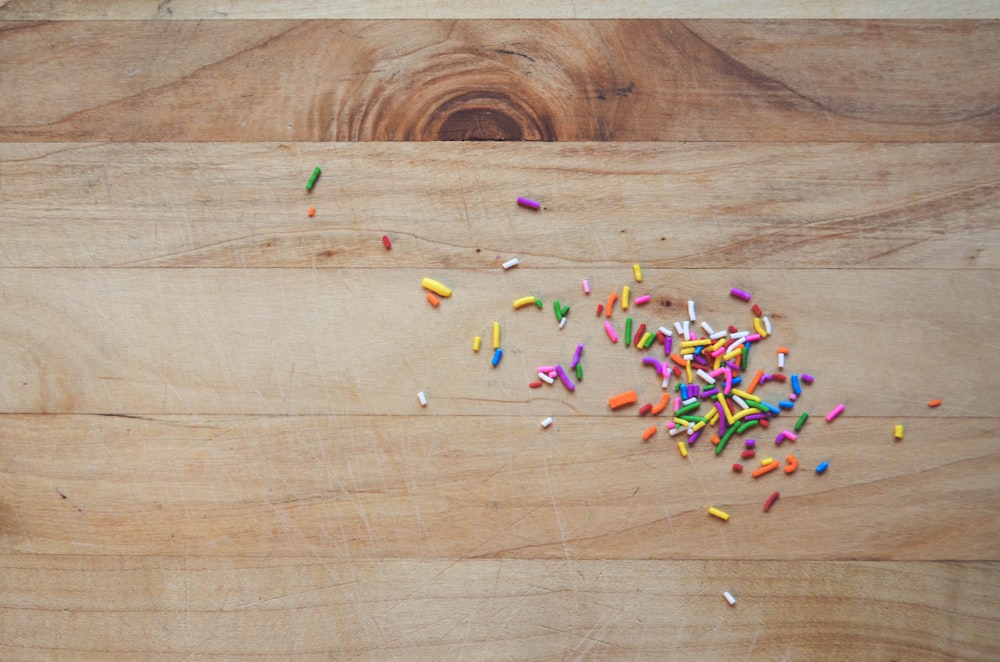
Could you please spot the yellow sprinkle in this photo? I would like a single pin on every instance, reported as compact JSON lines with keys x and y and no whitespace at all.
{"x":758,"y":326}
{"x":898,"y":432}
{"x":436,"y":287}
{"x":683,"y":448}
{"x":743,"y":412}
{"x":476,"y":342}
{"x":695,"y":343}
{"x":766,"y":461}
{"x":713,"y":417}
{"x":745,"y":395}
{"x":645,"y":337}
{"x":734,"y":355}
{"x":687,"y":366}
{"x":525,"y":301}
{"x":625,"y":292}
{"x":719,"y":343}
{"x":496,"y":335}
{"x":718,"y":513}
{"x":725,"y":409}
{"x":638,"y":273}
{"x":699,"y":425}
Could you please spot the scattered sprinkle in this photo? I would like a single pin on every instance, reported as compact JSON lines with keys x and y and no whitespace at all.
{"x":738,"y":468}
{"x":691,"y":313}
{"x":649,"y":433}
{"x":512,"y":262}
{"x":802,"y":421}
{"x":622,"y":399}
{"x":436,"y":287}
{"x":385,"y":241}
{"x":610,"y":330}
{"x":823,"y":466}
{"x":740,"y":294}
{"x":729,"y":598}
{"x":497,"y":355}
{"x":793,"y":464}
{"x":770,"y":501}
{"x":682,"y":447}
{"x":715,"y":512}
{"x":524,"y":301}
{"x":586,"y":286}
{"x":496,"y":335}
{"x":898,"y":432}
{"x":934,"y":403}
{"x":476,"y":343}
{"x":312,"y":179}
{"x":311,"y":211}
{"x":547,"y":422}
{"x":643,"y":300}
{"x":637,"y":272}
{"x":434,"y":301}
{"x":835,"y":412}
{"x":757,"y":473}
{"x":422,"y":398}
{"x":530,"y":204}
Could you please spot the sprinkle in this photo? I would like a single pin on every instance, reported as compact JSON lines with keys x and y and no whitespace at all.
{"x":611,"y":303}
{"x":767,"y":326}
{"x":538,"y":302}
{"x":781,"y":361}
{"x":530,"y":204}
{"x":738,"y":468}
{"x":649,"y":360}
{"x":576,"y":355}
{"x":562,"y":322}
{"x":497,"y":355}
{"x":622,"y":399}
{"x":793,"y":464}
{"x":898,"y":432}
{"x":729,"y":598}
{"x":648,"y":433}
{"x":645,"y":409}
{"x":835,"y":412}
{"x":547,"y":369}
{"x":718,"y":513}
{"x":643,"y":300}
{"x":547,"y":422}
{"x":579,"y":372}
{"x":512,"y":262}
{"x":385,"y":241}
{"x":750,"y":443}
{"x":496,"y":335}
{"x":586,"y":286}
{"x":610,"y":331}
{"x":524,"y":301}
{"x":683,"y":448}
{"x":422,"y":398}
{"x":628,"y":330}
{"x":757,"y":473}
{"x":790,"y":436}
{"x":740,"y":294}
{"x":705,"y":376}
{"x":545,"y":378}
{"x":626,"y":291}
{"x":756,"y":310}
{"x":770,"y":501}
{"x":691,"y":313}
{"x":311,"y":211}
{"x":476,"y":343}
{"x":934,"y":403}
{"x":661,"y":405}
{"x":822,"y":467}
{"x":535,"y":384}
{"x":436,"y":287}
{"x":434,"y":300}
{"x":748,"y":454}
{"x":600,"y":309}
{"x":796,"y":386}
{"x":759,"y":327}
{"x":802,"y":421}
{"x":808,"y":379}
{"x":570,"y":386}
{"x":312,"y":179}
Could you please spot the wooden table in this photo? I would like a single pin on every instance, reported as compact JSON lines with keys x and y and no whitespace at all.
{"x":211,"y":442}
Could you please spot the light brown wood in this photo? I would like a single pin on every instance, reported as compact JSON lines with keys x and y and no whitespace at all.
{"x":304,"y":608}
{"x":673,"y":206}
{"x":17,"y":10}
{"x":365,"y":341}
{"x":533,"y":80}
{"x":433,"y":486}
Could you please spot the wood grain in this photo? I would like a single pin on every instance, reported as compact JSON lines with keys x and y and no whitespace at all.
{"x":619,"y":80}
{"x":432,"y":486}
{"x":311,"y":609}
{"x":706,"y":205}
{"x":364,"y":341}
{"x":21,"y":10}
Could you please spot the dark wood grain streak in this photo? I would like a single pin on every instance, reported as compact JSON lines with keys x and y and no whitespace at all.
{"x":619,"y":80}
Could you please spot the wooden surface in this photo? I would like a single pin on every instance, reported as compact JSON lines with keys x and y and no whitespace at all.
{"x":210,"y":438}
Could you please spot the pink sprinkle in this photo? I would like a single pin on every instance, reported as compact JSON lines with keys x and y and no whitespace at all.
{"x":644,"y":299}
{"x":835,"y":412}
{"x":546,"y":368}
{"x":793,"y":397}
{"x":789,"y":435}
{"x":740,"y":294}
{"x":530,"y":204}
{"x":554,"y":373}
{"x":586,"y":286}
{"x":610,"y":331}
{"x":754,"y":338}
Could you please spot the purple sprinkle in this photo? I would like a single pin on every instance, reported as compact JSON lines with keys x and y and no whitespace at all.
{"x":649,"y":360}
{"x":668,"y":345}
{"x":576,"y":356}
{"x":733,"y":366}
{"x":750,"y":443}
{"x":693,"y":438}
{"x":780,"y":438}
{"x":565,"y":378}
{"x":693,"y":391}
{"x":530,"y":204}
{"x":808,"y":379}
{"x":708,"y":394}
{"x":756,"y":417}
{"x":740,"y":294}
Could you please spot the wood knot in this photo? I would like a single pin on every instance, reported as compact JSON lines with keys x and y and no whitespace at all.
{"x":486,"y":115}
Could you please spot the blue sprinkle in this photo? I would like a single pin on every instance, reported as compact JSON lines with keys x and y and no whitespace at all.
{"x":771,"y":408}
{"x":786,"y":404}
{"x":684,"y":392}
{"x":796,"y":387}
{"x":822,"y":467}
{"x":497,"y":355}
{"x":737,"y":380}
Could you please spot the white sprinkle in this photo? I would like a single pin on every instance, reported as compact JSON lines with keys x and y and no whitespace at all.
{"x":739,"y":341}
{"x":739,"y":334}
{"x":687,"y":329}
{"x":680,"y":328}
{"x":691,"y":313}
{"x":675,"y":430}
{"x":665,"y":331}
{"x":688,"y":357}
{"x":689,"y":401}
{"x":781,"y":361}
{"x":767,"y":326}
{"x":708,"y":329}
{"x":422,"y":398}
{"x":512,"y":262}
{"x":562,"y":322}
{"x":741,"y":402}
{"x":690,"y":429}
{"x":666,"y":380}
{"x":707,"y":377}
{"x":547,"y":422}
{"x":545,"y":378}
{"x":718,"y":334}
{"x":729,"y":598}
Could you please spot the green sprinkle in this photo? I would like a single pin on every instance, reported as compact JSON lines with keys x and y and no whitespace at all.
{"x":745,"y":358}
{"x":579,"y":372}
{"x":692,"y":419}
{"x":538,"y":302}
{"x":312,"y":180}
{"x":725,"y":439}
{"x":555,"y":307}
{"x":565,"y":312}
{"x":628,"y":331}
{"x":652,"y":339}
{"x":802,"y":421}
{"x":685,"y":409}
{"x":746,"y":425}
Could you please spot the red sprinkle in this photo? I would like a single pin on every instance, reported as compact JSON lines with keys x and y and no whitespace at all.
{"x":645,"y":409}
{"x":764,"y":423}
{"x":385,"y":240}
{"x":677,"y":371}
{"x":778,"y":377}
{"x":660,"y":338}
{"x":756,"y":310}
{"x":770,"y":501}
{"x":732,"y":329}
{"x":747,"y":454}
{"x":600,"y":309}
{"x":737,"y":467}
{"x":638,"y":334}
{"x":535,"y":384}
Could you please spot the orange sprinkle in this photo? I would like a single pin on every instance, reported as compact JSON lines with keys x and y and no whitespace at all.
{"x":312,"y":211}
{"x":433,"y":299}
{"x":715,"y":439}
{"x":622,"y":399}
{"x":934,"y":403}
{"x":755,"y":381}
{"x":764,"y":469}
{"x":782,"y":350}
{"x":611,"y":304}
{"x":793,"y":464}
{"x":648,"y":433}
{"x":661,"y":405}
{"x":678,"y":360}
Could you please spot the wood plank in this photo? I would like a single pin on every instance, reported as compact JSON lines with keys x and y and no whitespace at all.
{"x":160,"y":608}
{"x":488,"y":486}
{"x":20,"y":10}
{"x":618,"y":80}
{"x":717,"y":205}
{"x":364,"y":341}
